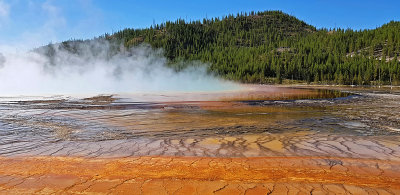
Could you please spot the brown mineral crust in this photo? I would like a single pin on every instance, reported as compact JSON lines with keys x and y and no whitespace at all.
{"x":166,"y":175}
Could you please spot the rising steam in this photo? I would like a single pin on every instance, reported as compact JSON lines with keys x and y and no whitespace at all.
{"x":98,"y":67}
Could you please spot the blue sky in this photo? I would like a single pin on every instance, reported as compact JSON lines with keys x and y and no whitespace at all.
{"x":31,"y":23}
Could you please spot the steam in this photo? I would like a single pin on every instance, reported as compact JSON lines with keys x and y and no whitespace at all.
{"x":99,"y":67}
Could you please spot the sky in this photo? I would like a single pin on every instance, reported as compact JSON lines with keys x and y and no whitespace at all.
{"x":26,"y":24}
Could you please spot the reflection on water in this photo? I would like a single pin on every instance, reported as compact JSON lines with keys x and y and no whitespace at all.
{"x":254,"y":121}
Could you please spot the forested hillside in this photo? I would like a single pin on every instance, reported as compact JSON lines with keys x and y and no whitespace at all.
{"x":266,"y":47}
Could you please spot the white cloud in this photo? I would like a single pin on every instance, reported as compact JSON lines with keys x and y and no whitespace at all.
{"x":49,"y":21}
{"x":55,"y":18}
{"x":49,"y":29}
{"x":4,"y":9}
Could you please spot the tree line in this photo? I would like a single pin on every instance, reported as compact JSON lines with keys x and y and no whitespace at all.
{"x":271,"y":46}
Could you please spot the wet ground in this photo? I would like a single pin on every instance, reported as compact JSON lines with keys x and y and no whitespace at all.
{"x":273,"y":139}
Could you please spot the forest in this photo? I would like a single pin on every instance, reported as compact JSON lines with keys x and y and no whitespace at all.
{"x":272,"y":47}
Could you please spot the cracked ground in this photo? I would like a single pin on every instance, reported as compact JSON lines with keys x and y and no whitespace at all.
{"x":262,"y":140}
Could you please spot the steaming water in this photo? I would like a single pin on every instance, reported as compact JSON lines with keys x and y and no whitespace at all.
{"x":160,"y":111}
{"x":266,"y":121}
{"x":96,"y":70}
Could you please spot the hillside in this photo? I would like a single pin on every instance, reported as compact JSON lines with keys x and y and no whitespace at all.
{"x":267,"y":47}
